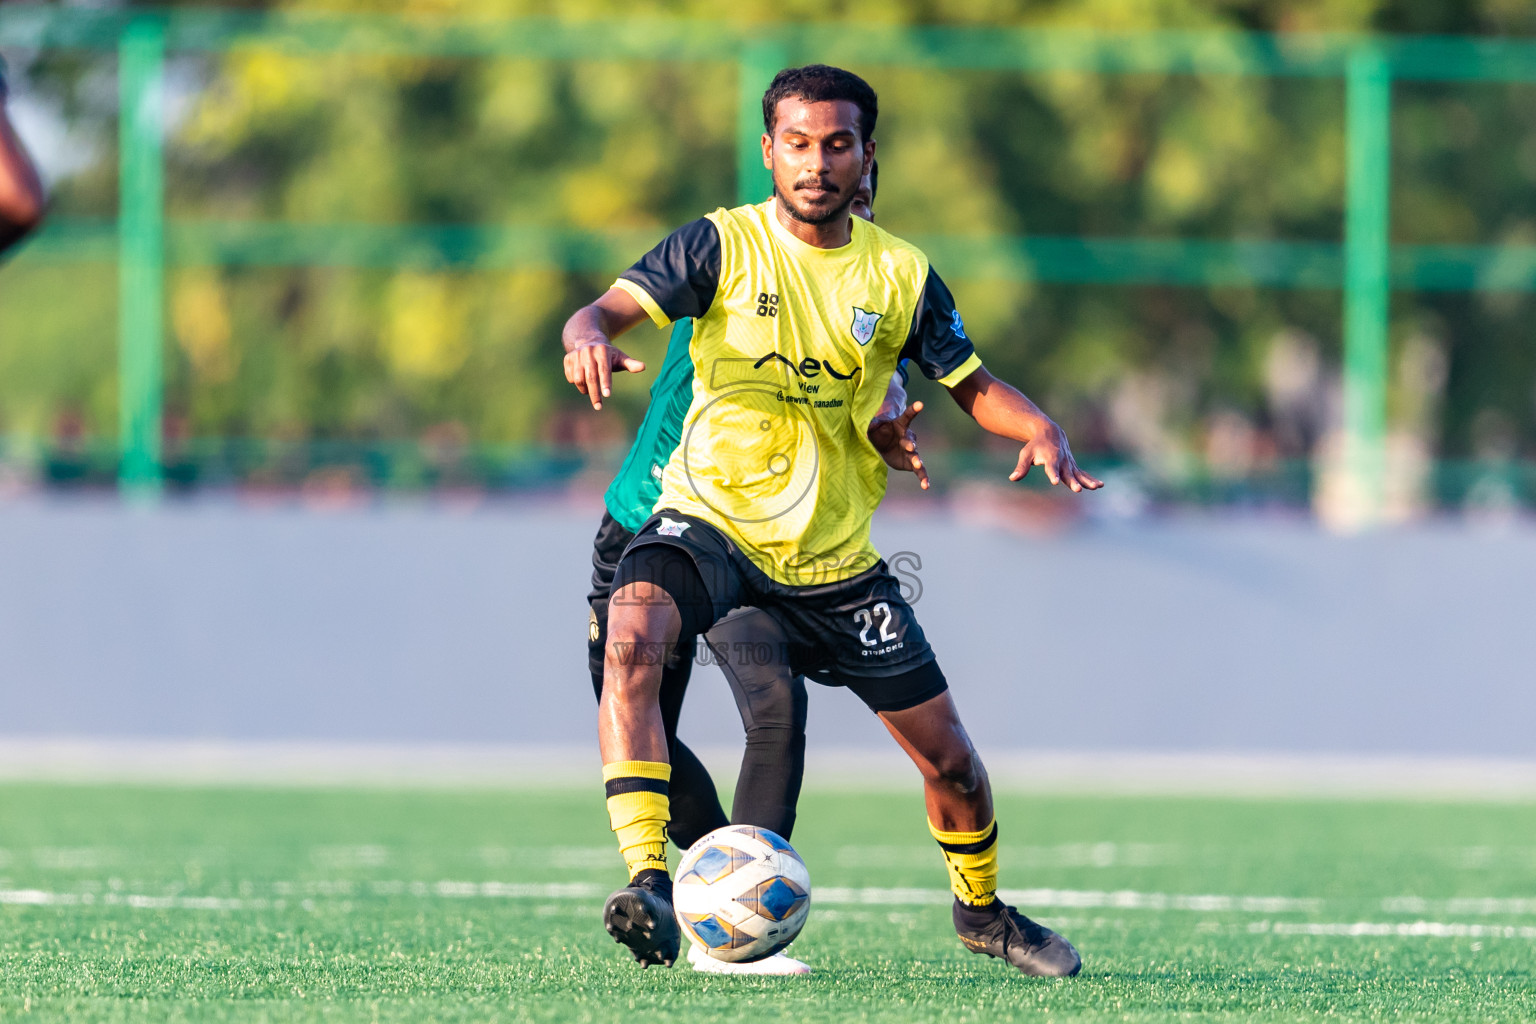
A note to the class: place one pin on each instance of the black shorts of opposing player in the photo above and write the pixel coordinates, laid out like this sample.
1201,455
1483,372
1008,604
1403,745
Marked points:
607,547
860,632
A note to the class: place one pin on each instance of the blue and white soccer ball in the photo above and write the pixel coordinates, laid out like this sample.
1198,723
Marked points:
742,893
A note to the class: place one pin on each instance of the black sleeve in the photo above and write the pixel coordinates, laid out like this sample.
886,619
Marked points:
682,273
937,342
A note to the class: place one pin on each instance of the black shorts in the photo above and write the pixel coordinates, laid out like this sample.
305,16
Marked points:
860,632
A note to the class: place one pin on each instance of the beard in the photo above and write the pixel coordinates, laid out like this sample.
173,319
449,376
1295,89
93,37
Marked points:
833,206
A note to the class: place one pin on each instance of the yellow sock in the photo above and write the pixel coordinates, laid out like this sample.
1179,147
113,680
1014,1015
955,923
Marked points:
638,811
972,861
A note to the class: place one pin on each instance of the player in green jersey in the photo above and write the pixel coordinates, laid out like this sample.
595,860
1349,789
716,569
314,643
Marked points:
21,191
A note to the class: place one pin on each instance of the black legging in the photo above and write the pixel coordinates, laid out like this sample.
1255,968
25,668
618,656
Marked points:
750,649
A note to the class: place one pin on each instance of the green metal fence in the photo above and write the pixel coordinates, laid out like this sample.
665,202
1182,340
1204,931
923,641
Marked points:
1364,265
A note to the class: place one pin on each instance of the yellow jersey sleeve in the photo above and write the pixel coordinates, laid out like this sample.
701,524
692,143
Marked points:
964,370
640,295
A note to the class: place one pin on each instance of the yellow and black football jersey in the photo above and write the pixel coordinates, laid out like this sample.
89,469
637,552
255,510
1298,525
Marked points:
793,348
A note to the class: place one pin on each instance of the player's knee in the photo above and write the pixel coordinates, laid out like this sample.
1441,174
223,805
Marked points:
632,661
777,708
958,769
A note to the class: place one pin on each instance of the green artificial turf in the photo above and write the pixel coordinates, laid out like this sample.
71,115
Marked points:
170,904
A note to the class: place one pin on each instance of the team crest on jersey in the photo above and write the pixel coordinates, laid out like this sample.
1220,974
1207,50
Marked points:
668,528
864,325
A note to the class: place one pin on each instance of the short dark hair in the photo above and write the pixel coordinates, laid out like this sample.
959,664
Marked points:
818,83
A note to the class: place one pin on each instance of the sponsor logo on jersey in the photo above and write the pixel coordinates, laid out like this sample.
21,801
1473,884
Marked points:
864,325
668,528
593,631
807,367
767,304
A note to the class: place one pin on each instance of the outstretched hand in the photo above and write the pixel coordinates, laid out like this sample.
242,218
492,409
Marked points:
893,438
1051,453
591,367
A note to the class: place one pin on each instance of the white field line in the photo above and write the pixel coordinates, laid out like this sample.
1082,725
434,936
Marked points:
1405,929
1129,900
503,890
39,897
1124,899
1077,899
1464,905
867,896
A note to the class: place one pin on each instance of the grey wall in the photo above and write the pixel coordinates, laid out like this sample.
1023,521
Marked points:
425,623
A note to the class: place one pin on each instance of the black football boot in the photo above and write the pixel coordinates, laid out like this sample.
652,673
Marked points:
640,916
1001,931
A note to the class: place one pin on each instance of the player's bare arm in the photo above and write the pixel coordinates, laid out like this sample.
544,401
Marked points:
892,435
22,199
1002,409
591,357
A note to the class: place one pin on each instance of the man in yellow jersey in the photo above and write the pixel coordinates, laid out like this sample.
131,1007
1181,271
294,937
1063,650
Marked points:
750,648
801,313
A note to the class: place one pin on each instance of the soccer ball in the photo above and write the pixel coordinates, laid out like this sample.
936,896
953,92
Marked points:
742,893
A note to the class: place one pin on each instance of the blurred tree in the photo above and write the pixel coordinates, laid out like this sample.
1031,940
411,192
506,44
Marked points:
379,353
